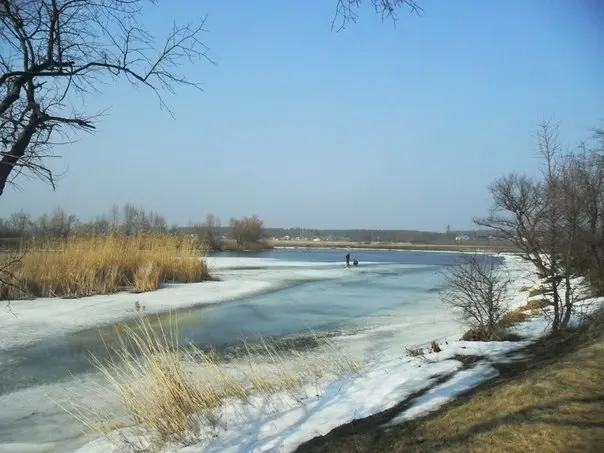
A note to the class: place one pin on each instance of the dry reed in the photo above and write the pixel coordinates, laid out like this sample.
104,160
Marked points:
170,391
83,266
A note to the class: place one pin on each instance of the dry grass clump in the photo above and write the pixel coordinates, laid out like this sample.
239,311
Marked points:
434,347
514,317
280,377
500,333
535,304
472,334
171,391
82,266
148,372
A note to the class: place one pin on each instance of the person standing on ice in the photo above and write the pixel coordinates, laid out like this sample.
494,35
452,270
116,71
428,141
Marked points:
348,260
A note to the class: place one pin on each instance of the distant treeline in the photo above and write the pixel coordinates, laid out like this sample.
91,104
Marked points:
479,237
411,236
244,233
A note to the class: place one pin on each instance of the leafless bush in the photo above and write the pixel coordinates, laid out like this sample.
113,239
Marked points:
479,290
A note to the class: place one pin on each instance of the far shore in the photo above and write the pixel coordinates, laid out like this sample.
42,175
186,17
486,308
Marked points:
393,246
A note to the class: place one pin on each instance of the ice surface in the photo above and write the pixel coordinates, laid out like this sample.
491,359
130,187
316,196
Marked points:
25,322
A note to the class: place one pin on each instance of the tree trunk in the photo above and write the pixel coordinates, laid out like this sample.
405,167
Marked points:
568,302
556,296
17,151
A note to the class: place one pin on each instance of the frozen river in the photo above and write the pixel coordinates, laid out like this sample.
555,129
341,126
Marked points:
390,301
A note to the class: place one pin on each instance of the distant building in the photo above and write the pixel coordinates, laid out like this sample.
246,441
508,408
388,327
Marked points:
462,238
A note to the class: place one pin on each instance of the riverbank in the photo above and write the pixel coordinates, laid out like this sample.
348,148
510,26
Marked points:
389,378
549,401
52,369
405,246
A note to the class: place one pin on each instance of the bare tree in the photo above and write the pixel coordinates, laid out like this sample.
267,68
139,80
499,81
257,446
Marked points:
208,232
478,288
114,218
581,180
130,215
61,224
526,212
557,223
99,227
347,10
158,223
20,223
54,53
42,228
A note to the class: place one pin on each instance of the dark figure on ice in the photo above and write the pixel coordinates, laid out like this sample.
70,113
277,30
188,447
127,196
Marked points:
347,259
355,262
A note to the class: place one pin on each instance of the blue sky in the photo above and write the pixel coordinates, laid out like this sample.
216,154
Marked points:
372,127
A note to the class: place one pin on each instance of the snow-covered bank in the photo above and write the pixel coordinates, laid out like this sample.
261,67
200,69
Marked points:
282,422
383,387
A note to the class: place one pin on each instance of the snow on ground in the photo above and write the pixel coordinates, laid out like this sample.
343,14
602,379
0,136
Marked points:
441,394
281,423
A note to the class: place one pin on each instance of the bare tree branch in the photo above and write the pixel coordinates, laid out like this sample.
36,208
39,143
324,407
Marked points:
56,52
346,10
